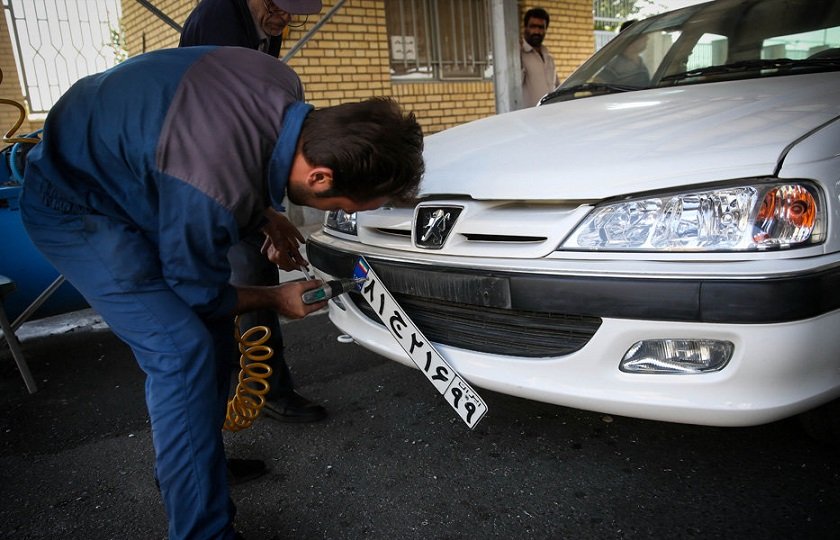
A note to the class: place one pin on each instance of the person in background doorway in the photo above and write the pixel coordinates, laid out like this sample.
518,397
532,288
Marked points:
539,74
259,25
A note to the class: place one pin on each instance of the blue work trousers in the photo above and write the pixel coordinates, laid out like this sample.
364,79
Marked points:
186,359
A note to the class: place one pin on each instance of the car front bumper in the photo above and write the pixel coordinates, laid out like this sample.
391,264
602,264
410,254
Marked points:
783,330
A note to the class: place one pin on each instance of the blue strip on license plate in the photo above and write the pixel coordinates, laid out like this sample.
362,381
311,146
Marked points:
457,392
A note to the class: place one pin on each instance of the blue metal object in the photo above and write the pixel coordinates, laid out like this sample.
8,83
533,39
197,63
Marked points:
21,261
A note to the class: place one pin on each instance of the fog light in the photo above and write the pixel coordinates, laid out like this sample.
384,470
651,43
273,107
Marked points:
677,356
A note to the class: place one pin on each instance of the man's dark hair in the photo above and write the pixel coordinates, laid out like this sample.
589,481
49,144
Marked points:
372,147
535,13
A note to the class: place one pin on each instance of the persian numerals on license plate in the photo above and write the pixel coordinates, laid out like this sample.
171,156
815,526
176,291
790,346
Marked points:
457,392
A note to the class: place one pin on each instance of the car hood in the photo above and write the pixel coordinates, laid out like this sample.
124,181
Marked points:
598,147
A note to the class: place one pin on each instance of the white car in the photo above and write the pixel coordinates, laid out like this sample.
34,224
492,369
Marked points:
663,244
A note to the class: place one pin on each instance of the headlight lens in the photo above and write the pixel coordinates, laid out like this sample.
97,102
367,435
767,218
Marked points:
341,221
742,218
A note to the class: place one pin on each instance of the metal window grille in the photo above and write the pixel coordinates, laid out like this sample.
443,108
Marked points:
439,39
608,16
57,42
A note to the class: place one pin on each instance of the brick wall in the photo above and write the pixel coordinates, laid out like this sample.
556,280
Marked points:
10,88
442,105
145,32
569,37
348,58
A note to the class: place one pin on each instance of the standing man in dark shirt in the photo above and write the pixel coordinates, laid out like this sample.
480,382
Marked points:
258,25
253,24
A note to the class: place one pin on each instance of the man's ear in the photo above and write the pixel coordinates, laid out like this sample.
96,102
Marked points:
319,179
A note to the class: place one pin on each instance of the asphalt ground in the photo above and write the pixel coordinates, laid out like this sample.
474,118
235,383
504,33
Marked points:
393,461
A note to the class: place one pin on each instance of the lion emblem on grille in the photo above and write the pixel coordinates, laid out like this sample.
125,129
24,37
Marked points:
433,225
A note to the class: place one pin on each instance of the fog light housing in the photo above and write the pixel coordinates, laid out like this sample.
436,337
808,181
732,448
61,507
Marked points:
338,303
677,356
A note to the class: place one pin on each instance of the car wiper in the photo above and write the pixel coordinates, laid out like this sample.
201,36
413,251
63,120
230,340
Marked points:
746,66
589,88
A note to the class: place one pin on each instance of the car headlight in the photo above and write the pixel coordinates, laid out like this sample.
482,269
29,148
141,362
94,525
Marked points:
341,221
758,216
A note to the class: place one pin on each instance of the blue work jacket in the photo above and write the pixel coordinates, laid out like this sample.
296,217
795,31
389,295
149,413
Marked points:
189,146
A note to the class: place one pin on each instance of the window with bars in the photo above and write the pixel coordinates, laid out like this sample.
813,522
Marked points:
57,42
439,39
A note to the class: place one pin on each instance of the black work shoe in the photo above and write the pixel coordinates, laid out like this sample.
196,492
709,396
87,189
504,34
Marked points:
295,409
244,470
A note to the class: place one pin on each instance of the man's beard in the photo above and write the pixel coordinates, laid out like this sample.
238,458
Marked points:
295,195
302,197
535,40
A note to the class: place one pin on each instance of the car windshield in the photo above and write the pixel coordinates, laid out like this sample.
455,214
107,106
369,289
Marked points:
724,40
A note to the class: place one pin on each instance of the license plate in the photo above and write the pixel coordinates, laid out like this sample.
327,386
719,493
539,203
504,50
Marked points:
455,390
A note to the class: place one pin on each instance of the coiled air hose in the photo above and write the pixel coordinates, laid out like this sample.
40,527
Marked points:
9,137
249,398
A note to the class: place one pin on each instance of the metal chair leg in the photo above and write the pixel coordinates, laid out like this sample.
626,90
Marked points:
17,352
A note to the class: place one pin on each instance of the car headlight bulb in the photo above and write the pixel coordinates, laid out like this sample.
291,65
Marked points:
785,212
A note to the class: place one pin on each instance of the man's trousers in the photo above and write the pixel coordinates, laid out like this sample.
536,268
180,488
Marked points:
186,359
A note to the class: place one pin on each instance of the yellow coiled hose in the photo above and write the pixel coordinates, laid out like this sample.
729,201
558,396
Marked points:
8,138
245,405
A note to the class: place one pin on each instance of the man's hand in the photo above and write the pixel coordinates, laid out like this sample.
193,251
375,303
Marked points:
288,302
281,241
284,299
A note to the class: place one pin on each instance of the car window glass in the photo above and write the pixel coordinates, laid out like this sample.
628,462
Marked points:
710,50
706,43
659,45
801,45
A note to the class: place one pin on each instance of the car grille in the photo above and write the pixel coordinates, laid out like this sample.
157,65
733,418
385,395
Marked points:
493,330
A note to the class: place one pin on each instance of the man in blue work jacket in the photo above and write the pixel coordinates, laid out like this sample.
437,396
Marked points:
147,174
258,25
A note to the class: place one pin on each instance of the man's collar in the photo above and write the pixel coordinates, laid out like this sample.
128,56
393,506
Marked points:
284,151
527,46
